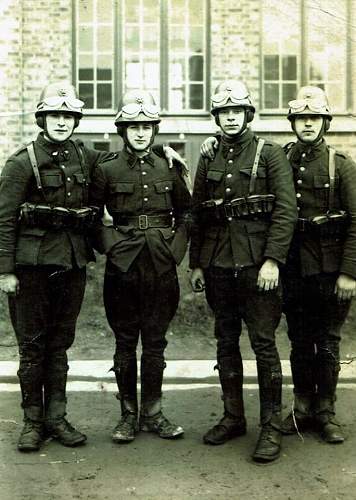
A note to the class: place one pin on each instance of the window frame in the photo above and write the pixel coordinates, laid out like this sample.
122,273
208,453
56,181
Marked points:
163,60
303,69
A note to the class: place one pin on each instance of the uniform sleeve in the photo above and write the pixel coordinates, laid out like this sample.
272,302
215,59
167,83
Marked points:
14,182
347,175
199,195
284,215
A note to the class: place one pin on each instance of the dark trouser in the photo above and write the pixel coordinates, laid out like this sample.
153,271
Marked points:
314,318
140,301
234,297
44,315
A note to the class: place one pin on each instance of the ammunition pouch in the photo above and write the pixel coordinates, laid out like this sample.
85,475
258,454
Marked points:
245,207
58,218
332,224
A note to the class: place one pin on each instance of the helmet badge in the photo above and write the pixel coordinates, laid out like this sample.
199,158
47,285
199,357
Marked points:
62,92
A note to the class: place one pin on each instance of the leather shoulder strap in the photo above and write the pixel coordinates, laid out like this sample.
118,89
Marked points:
331,177
31,153
260,145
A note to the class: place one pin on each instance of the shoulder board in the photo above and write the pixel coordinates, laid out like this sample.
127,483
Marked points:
112,156
287,147
343,155
20,149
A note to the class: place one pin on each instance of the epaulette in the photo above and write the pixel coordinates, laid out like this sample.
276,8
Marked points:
113,156
287,147
343,155
20,149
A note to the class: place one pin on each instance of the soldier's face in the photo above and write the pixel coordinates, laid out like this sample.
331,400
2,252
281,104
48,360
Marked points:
139,135
59,126
231,121
308,127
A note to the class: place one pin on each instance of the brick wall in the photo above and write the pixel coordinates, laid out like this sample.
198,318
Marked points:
235,42
37,49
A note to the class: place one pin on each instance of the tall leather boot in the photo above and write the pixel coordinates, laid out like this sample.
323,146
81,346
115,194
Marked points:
32,433
324,412
126,378
233,422
58,427
152,418
30,377
303,373
268,446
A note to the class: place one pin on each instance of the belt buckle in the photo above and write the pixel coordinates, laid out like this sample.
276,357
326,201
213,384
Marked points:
143,221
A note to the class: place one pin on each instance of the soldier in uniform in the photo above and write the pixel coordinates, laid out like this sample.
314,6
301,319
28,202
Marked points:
244,215
319,280
44,214
149,203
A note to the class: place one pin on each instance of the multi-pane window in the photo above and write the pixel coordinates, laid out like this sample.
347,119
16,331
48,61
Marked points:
186,49
157,45
304,43
281,59
326,52
94,55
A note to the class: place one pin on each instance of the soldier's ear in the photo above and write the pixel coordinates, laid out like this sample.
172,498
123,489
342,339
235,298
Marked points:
326,124
217,121
249,115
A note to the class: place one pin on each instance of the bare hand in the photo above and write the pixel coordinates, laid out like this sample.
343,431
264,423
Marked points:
268,276
209,147
197,280
345,287
9,284
171,155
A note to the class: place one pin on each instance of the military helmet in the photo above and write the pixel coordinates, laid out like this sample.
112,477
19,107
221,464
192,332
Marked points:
231,94
310,100
59,97
137,106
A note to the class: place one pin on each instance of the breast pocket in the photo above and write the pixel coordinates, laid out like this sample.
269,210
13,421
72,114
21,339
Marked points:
163,191
322,189
260,186
121,194
213,179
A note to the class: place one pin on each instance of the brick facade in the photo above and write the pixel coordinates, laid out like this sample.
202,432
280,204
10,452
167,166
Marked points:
36,41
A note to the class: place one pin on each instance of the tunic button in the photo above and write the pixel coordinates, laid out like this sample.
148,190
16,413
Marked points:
69,179
231,150
298,195
145,199
298,208
63,166
229,219
68,194
144,173
229,176
302,169
167,188
145,186
299,181
303,155
228,190
327,185
230,161
142,162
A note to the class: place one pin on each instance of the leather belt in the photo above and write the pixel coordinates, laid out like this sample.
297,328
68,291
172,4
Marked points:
143,221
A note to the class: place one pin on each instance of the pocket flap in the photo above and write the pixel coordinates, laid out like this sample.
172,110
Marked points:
52,180
163,186
79,177
122,187
261,172
323,181
214,175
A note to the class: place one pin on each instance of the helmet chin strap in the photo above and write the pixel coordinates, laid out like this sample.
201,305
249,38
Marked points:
242,129
318,138
47,135
127,143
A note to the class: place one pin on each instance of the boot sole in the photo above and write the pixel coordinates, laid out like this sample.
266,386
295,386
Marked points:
178,434
73,444
28,449
263,459
213,442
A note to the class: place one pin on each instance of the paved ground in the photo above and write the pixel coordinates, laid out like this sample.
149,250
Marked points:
151,468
